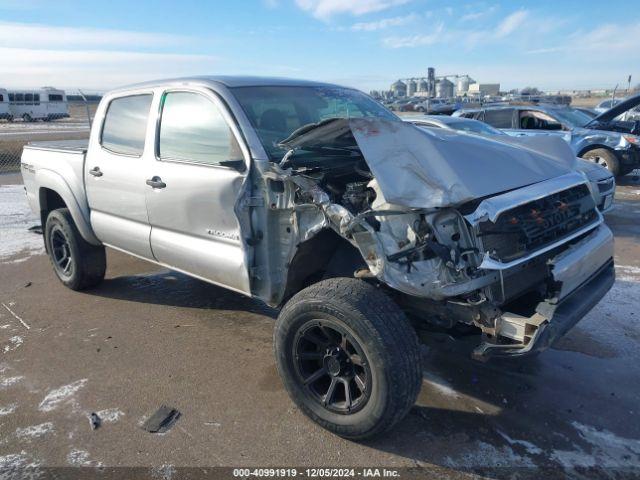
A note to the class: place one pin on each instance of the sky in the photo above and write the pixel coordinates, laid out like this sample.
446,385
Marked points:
367,44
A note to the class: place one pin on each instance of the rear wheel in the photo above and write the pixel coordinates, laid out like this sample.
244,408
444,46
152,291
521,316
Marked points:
26,118
606,158
77,263
348,357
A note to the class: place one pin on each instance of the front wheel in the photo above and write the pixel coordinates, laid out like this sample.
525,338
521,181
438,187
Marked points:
606,158
348,357
77,263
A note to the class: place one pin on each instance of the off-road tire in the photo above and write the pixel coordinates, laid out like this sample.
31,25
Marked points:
88,261
606,158
389,342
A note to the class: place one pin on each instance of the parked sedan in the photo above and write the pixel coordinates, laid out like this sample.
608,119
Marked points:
453,123
618,152
601,181
607,104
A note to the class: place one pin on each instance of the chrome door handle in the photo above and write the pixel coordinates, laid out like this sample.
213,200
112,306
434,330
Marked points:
95,171
156,182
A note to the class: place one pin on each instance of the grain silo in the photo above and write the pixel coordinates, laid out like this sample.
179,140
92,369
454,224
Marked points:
412,86
399,89
462,86
423,86
444,88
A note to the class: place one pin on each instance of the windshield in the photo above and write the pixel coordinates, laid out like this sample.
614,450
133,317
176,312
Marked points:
571,117
276,112
472,126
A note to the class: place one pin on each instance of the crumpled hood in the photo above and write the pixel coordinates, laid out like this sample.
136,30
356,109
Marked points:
417,168
619,109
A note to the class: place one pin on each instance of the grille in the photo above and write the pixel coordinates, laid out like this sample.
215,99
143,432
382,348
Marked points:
605,185
528,276
536,224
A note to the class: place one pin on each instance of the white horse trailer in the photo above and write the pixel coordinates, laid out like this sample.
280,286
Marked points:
44,104
5,111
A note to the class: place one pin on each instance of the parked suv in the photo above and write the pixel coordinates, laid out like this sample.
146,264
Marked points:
316,199
618,152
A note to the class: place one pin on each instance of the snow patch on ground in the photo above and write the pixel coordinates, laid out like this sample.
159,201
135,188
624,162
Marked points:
8,410
15,219
14,343
485,455
18,466
81,458
607,450
529,447
110,415
628,273
10,381
35,431
59,395
163,472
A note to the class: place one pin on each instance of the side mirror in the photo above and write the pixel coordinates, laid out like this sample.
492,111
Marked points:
235,164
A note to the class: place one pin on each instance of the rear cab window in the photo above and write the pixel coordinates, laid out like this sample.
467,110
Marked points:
125,124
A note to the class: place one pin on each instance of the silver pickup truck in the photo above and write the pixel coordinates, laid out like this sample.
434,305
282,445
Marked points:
315,199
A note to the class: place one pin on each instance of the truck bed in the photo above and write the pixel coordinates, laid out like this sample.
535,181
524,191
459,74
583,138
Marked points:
75,146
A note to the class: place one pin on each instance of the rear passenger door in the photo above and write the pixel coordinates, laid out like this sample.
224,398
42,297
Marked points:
116,172
197,177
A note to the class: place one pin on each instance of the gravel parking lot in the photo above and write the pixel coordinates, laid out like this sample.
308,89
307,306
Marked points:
149,337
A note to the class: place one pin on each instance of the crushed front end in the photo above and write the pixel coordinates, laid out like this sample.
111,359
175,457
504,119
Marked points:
521,256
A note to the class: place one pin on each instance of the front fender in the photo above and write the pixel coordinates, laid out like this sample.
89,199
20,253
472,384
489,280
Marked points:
80,214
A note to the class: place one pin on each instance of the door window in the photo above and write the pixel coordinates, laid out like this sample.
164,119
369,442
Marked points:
125,124
535,120
193,129
499,118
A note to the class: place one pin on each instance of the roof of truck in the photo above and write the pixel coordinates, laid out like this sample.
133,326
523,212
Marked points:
232,81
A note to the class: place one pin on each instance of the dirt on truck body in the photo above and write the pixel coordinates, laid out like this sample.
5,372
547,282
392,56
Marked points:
360,227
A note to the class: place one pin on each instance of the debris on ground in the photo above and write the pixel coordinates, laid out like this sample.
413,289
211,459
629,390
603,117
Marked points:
94,420
36,229
162,420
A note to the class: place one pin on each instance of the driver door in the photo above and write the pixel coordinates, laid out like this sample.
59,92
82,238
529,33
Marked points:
195,183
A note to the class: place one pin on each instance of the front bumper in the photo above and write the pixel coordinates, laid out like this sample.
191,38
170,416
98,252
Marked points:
585,273
629,157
